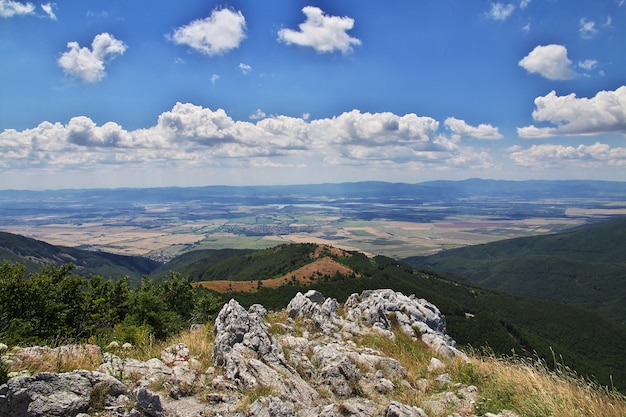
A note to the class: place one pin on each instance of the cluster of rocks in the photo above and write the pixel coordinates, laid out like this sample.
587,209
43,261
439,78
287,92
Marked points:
307,366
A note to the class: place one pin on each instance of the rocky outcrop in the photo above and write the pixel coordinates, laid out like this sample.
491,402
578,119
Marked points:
50,395
307,365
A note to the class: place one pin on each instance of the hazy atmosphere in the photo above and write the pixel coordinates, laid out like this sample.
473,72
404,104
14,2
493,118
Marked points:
131,94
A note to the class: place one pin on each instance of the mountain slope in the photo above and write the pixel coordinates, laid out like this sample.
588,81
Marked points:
584,267
587,342
34,253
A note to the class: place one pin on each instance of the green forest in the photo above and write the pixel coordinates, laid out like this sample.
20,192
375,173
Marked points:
56,305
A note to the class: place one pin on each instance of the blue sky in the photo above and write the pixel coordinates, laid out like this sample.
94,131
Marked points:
126,94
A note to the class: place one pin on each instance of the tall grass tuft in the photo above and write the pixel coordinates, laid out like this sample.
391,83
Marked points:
529,387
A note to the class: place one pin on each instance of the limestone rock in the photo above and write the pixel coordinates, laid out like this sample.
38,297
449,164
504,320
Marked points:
251,357
175,355
336,371
415,316
49,395
396,409
149,403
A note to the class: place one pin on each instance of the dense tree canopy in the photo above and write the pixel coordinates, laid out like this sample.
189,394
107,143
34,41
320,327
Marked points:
56,303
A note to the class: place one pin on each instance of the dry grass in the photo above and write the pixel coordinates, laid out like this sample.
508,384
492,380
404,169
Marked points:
530,388
200,344
525,386
61,359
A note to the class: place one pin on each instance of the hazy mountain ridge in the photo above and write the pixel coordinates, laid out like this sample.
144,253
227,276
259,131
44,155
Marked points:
584,267
35,253
377,190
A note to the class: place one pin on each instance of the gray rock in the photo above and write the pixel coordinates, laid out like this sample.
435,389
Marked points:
313,305
350,407
145,373
271,407
336,371
48,394
251,357
149,403
435,365
175,355
396,409
415,316
236,326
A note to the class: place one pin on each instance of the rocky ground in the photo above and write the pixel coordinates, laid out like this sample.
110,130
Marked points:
309,364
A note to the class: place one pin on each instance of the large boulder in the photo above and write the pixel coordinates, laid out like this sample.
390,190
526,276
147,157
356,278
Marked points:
312,304
251,357
49,394
414,316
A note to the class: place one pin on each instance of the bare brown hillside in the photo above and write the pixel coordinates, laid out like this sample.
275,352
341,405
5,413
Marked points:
318,269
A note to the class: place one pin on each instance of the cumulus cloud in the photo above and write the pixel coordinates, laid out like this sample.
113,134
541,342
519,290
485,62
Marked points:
582,156
48,9
217,34
321,32
501,11
482,131
89,65
524,4
603,113
214,78
198,136
10,8
549,61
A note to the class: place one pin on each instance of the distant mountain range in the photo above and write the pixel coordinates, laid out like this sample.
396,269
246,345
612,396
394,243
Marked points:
371,190
585,267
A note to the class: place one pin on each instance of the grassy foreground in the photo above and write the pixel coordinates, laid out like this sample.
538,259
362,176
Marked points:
527,387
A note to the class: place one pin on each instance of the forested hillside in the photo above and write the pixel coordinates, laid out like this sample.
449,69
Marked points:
34,254
584,267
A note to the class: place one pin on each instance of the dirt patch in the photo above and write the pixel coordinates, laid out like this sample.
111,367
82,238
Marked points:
316,270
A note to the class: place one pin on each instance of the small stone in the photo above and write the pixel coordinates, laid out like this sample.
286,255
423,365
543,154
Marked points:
445,378
435,365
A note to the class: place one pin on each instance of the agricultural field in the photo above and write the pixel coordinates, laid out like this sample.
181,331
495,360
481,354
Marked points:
161,223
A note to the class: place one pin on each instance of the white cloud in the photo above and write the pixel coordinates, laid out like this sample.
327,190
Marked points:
588,64
604,113
524,4
48,8
214,78
219,33
460,128
190,135
10,8
88,65
245,68
500,11
321,32
549,61
558,156
258,114
587,28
